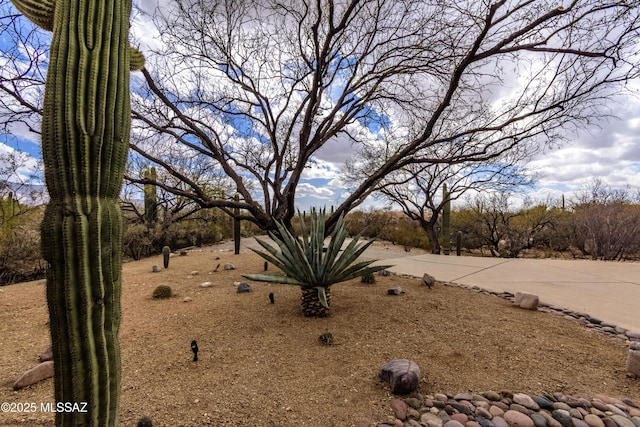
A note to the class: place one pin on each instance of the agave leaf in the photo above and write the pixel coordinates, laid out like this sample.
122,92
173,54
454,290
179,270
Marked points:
322,296
351,253
273,278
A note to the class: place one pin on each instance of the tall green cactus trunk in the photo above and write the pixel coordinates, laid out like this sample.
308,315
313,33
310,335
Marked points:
85,135
446,221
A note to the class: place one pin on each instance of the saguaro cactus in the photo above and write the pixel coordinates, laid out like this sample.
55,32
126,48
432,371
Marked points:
446,221
85,135
150,198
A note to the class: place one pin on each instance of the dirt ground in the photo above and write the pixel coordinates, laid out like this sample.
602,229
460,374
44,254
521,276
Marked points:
262,364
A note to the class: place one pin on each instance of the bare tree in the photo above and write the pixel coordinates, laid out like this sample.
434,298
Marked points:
259,89
417,189
607,222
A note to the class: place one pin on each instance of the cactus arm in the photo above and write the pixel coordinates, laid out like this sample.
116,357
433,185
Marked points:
137,59
40,12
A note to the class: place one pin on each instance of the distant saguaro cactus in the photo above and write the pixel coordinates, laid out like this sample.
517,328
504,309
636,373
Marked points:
85,138
150,198
446,221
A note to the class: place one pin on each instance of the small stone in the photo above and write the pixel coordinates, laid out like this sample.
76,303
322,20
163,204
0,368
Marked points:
413,414
399,408
593,420
543,402
229,266
395,291
499,422
526,401
460,407
577,422
575,413
563,417
608,422
527,300
636,421
205,285
187,299
463,396
461,418
431,420
194,273
484,413
616,410
413,402
633,362
440,397
428,280
561,405
491,395
155,268
471,423
402,375
243,287
453,423
45,355
34,375
551,422
384,273
519,408
517,419
633,335
538,420
622,421
484,422
496,411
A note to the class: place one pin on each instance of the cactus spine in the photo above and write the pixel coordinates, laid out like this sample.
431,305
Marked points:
166,252
446,220
85,135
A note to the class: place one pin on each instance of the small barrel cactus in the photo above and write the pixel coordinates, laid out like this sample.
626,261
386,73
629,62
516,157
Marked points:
166,252
368,278
162,292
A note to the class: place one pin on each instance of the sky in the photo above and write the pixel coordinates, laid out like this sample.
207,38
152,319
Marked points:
608,151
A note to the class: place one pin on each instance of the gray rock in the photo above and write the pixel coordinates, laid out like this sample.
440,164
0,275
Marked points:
622,421
561,405
575,413
47,354
483,413
205,285
491,395
563,417
384,273
633,362
413,402
229,266
453,423
460,407
428,280
484,422
616,410
34,375
395,291
431,420
543,402
402,375
155,268
636,421
519,408
538,420
633,335
527,300
243,287
462,396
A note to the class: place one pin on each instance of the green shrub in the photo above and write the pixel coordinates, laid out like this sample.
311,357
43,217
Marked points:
162,292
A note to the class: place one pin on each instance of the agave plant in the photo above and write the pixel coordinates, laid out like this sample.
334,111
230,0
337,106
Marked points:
307,263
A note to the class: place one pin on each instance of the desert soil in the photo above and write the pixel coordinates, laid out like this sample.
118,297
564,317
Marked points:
262,364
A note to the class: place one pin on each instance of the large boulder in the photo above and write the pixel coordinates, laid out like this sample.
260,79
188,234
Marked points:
402,375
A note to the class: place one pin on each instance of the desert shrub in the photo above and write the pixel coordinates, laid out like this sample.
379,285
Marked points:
20,258
162,292
394,227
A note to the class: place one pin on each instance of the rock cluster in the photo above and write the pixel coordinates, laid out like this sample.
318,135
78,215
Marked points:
505,409
587,320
